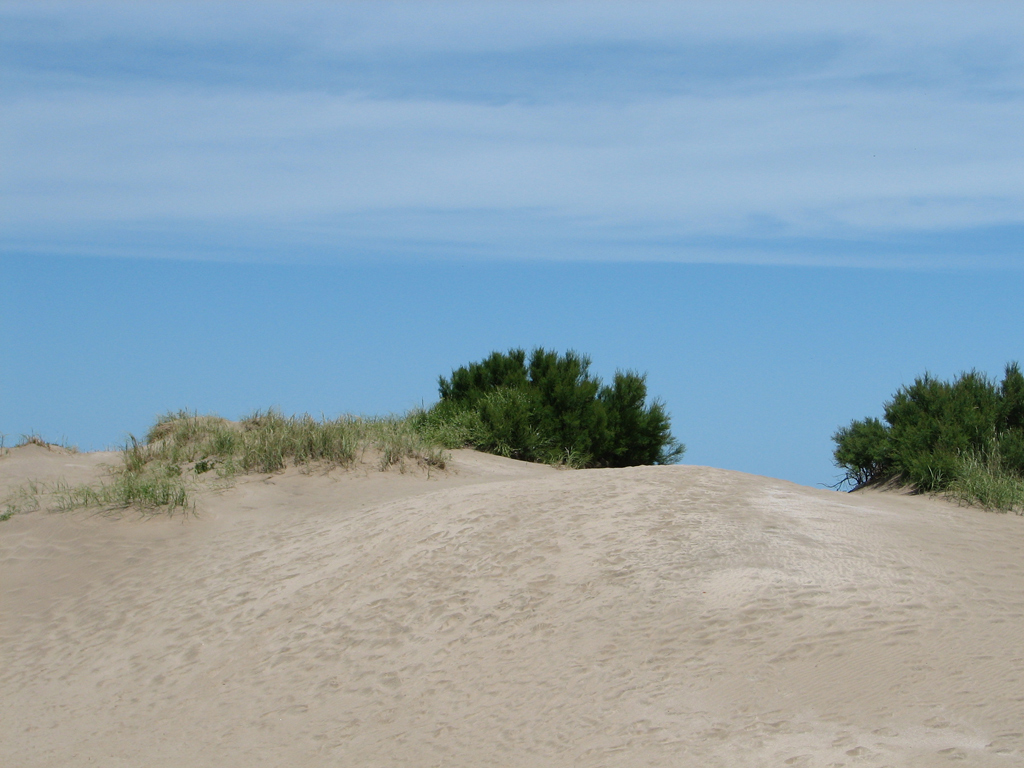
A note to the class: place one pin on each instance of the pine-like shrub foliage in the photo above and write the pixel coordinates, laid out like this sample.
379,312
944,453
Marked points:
549,408
936,431
862,450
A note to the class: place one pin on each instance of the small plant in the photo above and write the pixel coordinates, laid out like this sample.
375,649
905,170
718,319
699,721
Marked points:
570,459
204,465
29,497
34,439
24,499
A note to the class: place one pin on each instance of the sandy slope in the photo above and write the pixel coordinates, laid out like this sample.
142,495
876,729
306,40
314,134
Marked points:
513,615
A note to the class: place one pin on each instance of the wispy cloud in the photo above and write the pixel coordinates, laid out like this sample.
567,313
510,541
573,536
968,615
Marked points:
867,134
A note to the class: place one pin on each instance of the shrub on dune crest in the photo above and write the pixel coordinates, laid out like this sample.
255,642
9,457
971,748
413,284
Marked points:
549,408
965,437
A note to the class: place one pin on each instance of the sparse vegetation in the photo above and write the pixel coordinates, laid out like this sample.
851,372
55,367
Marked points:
550,409
146,491
965,438
24,499
33,439
185,450
267,441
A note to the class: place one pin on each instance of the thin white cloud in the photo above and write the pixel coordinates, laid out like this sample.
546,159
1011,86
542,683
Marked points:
864,124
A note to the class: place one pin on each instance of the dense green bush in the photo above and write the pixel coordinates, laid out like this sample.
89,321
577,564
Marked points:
550,408
862,449
936,433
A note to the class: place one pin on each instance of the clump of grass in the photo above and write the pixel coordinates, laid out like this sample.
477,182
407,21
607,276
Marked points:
143,492
398,441
145,481
182,448
268,442
572,459
982,481
187,438
449,426
37,439
34,439
24,499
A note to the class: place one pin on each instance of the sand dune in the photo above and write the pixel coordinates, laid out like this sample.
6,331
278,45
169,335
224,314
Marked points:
512,615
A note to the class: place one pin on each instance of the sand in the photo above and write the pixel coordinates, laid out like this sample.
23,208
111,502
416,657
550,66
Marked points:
505,614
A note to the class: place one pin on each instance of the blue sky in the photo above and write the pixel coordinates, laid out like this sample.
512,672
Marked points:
780,211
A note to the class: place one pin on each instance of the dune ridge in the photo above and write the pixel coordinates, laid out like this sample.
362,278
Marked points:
508,614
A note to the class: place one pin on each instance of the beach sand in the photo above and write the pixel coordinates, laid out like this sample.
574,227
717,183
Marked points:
507,614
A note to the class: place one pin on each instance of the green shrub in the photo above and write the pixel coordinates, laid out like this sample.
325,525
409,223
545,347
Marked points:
471,382
638,434
508,427
933,422
862,450
1011,451
549,408
940,435
1010,425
